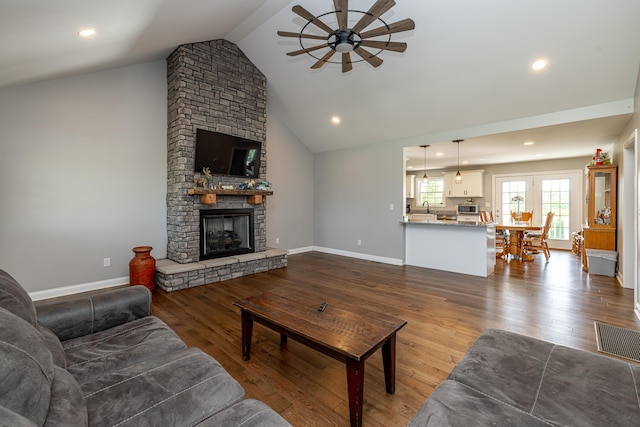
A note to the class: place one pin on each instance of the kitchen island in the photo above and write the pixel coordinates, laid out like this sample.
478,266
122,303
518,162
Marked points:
467,248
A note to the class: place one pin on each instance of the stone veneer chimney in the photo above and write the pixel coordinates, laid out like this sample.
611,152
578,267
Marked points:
213,86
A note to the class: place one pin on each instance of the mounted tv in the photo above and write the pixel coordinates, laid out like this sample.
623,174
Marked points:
226,154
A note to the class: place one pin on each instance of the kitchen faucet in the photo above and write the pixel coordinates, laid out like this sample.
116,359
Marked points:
428,206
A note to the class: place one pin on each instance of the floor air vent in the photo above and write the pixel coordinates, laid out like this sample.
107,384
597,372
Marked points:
618,341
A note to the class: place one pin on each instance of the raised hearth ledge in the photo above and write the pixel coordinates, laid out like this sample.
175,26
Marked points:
173,276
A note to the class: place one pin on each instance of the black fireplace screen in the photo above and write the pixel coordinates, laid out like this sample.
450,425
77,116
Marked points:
225,232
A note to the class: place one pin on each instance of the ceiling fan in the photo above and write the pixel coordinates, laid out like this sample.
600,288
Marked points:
345,40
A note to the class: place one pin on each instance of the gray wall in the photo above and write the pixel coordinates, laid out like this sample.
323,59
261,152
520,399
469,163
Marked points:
290,211
82,175
352,193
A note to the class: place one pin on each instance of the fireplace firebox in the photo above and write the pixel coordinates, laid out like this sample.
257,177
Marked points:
226,232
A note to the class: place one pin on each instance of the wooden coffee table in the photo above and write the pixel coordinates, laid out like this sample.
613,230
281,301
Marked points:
345,332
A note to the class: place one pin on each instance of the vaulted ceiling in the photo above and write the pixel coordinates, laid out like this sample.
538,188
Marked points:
467,65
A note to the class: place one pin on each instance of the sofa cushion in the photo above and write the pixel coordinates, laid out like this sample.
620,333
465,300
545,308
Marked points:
67,407
248,413
26,371
92,356
54,345
10,418
505,376
177,388
14,298
455,404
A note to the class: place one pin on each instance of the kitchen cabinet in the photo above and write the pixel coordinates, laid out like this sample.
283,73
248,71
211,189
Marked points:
410,186
472,184
600,229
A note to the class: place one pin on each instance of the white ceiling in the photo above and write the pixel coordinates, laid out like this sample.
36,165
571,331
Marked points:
467,66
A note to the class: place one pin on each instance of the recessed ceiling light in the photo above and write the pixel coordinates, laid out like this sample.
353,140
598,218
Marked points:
539,64
335,120
540,155
528,143
87,32
439,154
409,167
465,162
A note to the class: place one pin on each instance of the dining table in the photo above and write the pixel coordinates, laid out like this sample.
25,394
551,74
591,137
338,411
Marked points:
516,234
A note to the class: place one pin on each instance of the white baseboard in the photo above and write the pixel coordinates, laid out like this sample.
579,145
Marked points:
300,250
76,289
359,255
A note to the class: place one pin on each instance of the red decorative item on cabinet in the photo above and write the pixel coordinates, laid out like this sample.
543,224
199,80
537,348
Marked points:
142,267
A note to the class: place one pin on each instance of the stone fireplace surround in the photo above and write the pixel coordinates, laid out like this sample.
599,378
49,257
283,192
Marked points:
213,86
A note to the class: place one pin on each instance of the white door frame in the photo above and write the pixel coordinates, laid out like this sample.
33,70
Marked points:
630,211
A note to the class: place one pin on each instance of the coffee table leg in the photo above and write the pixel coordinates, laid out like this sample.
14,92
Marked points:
247,331
389,363
355,384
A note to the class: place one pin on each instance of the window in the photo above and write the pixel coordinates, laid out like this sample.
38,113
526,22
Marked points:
431,191
556,199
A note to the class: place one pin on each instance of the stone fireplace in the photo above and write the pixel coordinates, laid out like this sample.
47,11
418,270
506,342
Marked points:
211,86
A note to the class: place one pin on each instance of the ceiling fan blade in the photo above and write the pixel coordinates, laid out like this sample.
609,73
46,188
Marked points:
368,56
394,46
304,13
346,62
306,50
301,35
378,8
324,59
396,27
342,10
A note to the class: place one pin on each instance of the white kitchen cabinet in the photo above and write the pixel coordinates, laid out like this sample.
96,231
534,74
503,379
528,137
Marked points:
472,184
411,186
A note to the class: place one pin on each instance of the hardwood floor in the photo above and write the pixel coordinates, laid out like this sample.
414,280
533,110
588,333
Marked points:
446,312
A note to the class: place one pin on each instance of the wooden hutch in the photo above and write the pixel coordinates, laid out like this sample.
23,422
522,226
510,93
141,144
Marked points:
600,230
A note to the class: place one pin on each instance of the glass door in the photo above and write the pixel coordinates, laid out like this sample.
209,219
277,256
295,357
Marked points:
557,192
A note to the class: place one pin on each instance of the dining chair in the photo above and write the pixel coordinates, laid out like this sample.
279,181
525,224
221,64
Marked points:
522,217
534,240
484,217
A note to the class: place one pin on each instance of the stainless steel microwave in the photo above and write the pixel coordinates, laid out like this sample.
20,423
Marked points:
468,210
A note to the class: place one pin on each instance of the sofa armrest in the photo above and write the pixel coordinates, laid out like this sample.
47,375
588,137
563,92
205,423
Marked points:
85,315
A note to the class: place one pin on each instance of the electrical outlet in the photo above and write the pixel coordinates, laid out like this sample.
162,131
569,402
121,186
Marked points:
359,242
390,206
106,262
277,240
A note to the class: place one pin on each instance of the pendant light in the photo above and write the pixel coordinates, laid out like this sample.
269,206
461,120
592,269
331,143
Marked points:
458,179
425,178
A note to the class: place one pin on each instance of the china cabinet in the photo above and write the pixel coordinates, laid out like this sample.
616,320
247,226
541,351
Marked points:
599,232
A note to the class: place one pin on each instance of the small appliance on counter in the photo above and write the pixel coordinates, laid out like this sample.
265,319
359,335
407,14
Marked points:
468,210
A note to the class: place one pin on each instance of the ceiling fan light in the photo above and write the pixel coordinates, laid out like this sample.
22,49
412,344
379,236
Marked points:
344,47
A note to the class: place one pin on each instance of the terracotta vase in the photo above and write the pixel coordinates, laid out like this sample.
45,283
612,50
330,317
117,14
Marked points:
142,267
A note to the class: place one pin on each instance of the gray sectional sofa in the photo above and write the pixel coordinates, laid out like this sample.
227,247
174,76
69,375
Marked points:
507,379
105,361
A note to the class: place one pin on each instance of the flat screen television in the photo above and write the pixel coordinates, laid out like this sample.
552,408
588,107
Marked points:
226,154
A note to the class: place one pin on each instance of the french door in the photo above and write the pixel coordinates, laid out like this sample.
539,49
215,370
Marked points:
557,192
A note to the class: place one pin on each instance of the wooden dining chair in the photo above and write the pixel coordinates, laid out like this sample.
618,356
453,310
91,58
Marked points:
523,217
484,217
532,240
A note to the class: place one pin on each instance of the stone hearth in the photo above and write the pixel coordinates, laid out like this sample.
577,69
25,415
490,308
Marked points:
212,86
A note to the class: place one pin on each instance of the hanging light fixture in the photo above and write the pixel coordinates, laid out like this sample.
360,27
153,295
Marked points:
425,178
458,179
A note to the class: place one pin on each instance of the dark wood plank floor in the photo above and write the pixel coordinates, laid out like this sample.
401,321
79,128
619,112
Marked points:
446,312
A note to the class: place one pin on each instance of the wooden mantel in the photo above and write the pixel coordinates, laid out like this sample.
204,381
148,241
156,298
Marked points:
208,197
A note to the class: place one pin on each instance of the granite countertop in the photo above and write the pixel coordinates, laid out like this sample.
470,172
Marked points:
447,223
